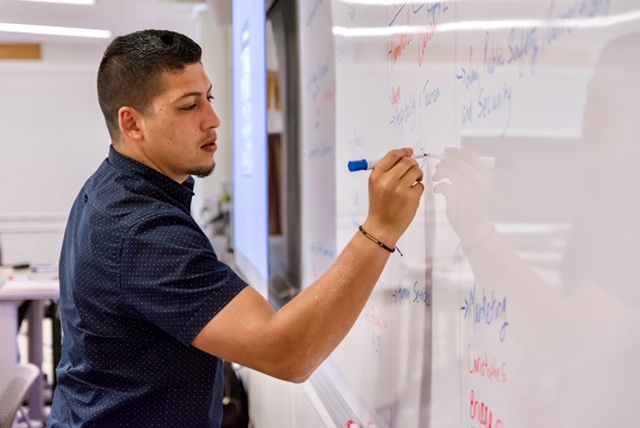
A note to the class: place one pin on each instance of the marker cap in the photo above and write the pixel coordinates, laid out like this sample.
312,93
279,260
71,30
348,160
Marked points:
358,165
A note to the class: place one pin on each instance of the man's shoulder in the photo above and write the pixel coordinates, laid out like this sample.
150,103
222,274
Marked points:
112,205
125,194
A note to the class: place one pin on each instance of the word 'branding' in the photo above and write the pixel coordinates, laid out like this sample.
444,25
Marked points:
482,413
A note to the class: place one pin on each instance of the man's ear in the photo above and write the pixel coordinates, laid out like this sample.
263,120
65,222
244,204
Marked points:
130,122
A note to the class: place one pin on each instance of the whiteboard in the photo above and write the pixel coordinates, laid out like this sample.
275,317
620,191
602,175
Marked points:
537,324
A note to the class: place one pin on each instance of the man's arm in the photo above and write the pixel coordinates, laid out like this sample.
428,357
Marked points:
291,343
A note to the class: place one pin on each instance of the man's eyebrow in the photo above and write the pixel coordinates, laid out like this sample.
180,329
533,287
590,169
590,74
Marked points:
191,94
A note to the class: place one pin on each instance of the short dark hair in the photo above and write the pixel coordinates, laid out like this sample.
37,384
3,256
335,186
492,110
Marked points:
131,69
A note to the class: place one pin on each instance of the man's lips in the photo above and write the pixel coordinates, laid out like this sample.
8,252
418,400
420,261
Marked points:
210,146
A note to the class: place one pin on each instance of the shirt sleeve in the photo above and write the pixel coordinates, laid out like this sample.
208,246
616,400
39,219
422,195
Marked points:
171,276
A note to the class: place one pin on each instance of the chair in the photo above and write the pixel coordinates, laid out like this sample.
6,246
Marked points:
14,390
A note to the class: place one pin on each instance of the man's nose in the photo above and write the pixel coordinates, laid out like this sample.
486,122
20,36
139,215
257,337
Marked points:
212,120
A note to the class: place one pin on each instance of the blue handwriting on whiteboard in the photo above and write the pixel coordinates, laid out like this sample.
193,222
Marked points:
493,54
321,72
357,141
585,9
420,295
591,8
486,310
351,13
469,74
420,147
314,11
434,10
496,101
321,249
405,112
320,151
400,294
467,113
431,95
519,49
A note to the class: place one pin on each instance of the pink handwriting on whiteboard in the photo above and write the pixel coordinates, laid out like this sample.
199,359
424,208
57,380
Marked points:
377,317
424,39
395,95
396,48
431,12
481,365
482,413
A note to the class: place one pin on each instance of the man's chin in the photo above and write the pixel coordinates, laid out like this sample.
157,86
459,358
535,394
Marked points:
204,171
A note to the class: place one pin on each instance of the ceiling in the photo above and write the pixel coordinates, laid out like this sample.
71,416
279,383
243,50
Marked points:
117,16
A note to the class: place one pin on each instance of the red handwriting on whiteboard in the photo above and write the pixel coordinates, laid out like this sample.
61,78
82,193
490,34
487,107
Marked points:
395,95
396,48
483,367
377,317
329,94
424,39
482,413
433,12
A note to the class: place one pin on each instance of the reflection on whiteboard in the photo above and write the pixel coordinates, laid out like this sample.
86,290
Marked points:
250,215
246,153
516,304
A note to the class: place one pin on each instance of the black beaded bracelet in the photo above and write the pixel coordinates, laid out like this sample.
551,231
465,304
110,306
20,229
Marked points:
371,237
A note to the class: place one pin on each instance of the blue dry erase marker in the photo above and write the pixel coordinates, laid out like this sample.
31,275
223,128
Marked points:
365,164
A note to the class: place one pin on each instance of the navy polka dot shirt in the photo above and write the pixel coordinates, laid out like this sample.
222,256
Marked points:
138,281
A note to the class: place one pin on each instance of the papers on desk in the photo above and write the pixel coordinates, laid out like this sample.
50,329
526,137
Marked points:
30,283
30,290
28,273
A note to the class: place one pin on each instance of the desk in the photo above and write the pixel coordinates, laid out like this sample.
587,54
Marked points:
11,294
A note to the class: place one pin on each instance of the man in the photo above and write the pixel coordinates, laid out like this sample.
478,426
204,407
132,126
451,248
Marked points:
147,308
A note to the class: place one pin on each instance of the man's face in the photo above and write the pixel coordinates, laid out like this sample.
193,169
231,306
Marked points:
179,130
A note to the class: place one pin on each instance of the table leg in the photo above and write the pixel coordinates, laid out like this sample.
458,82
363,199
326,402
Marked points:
8,339
36,395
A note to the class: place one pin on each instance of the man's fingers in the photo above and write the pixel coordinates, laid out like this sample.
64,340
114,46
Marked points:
398,167
412,174
392,158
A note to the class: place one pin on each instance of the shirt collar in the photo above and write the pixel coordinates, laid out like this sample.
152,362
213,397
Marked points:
181,192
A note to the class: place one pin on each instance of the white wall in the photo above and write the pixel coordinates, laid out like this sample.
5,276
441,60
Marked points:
53,137
215,41
274,403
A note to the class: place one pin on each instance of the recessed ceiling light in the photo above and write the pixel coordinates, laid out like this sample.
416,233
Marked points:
54,31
